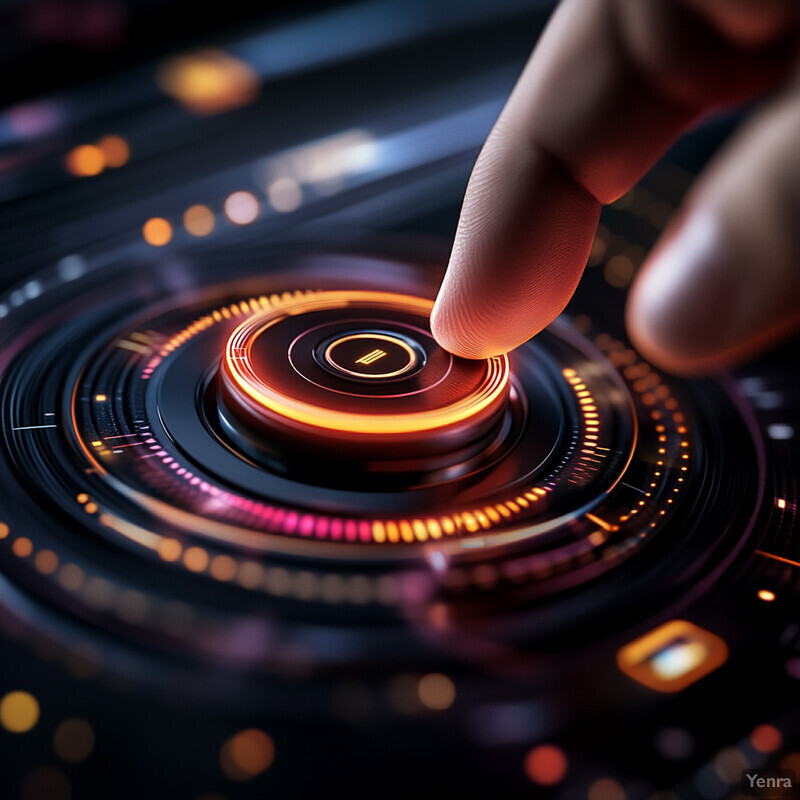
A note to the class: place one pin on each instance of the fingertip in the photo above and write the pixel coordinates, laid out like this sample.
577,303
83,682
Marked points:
452,330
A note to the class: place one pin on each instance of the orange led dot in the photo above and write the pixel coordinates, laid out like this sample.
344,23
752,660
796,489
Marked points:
4,530
157,231
90,508
247,754
766,595
115,150
85,160
195,559
198,220
22,547
766,739
546,765
83,498
436,691
170,549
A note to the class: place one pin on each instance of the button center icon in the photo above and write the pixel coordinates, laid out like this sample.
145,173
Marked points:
372,355
370,358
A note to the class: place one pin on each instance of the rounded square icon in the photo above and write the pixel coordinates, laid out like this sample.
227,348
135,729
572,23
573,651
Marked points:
672,656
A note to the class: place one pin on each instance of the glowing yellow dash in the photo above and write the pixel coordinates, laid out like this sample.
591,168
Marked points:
434,529
779,558
371,358
406,531
766,595
602,523
97,444
781,503
392,532
100,398
126,344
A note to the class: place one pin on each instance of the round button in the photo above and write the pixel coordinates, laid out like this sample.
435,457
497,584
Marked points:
373,355
355,376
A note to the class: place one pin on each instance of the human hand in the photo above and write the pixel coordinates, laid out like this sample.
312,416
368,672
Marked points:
609,86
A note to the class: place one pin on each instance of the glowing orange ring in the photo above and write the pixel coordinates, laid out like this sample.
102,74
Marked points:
239,366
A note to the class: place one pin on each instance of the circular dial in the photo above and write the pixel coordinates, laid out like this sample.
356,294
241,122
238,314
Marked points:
209,431
196,478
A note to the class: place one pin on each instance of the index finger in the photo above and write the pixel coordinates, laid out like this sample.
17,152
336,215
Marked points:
609,86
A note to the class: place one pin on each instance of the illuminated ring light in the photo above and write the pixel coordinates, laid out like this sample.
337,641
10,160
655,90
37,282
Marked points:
264,400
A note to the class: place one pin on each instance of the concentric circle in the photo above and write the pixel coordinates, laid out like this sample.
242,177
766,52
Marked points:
372,355
587,460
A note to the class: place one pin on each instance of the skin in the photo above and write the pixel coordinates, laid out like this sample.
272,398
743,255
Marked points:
610,85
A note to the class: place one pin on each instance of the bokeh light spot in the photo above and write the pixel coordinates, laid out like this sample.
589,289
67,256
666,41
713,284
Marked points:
241,208
198,220
115,150
436,691
284,194
157,231
85,160
74,740
546,765
766,738
19,712
247,754
606,789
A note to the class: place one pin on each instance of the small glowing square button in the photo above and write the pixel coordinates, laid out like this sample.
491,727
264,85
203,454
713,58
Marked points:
672,656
